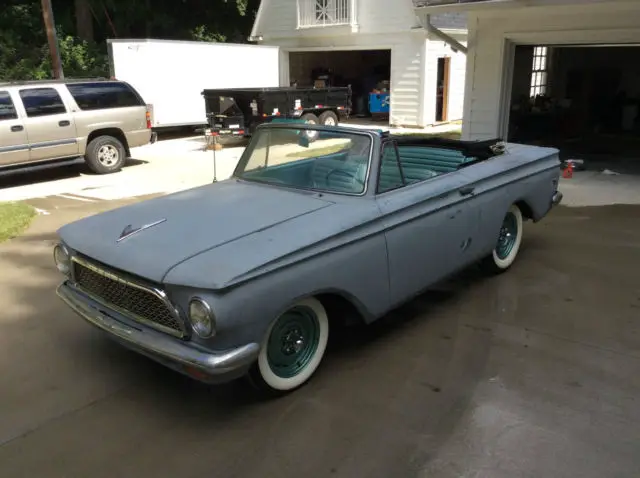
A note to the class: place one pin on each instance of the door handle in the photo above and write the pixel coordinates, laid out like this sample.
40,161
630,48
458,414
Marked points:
17,128
64,123
465,191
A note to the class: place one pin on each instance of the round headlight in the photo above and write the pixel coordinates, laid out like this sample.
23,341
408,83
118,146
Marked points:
62,259
201,318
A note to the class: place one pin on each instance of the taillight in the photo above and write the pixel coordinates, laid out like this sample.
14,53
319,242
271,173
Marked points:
148,115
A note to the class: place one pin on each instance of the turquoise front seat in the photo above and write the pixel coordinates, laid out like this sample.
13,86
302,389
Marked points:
340,175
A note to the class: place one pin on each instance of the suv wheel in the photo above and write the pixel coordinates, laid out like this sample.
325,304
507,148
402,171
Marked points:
105,154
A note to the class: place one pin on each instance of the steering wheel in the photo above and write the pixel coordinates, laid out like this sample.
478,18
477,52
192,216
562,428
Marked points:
349,174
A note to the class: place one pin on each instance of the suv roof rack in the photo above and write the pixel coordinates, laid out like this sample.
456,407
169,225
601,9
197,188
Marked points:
57,81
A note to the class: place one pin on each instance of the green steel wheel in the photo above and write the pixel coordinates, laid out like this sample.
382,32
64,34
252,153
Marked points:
293,348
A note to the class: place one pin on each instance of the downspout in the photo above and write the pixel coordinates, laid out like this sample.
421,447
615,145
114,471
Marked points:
448,39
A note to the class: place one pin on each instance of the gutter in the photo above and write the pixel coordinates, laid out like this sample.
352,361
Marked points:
448,39
479,5
461,3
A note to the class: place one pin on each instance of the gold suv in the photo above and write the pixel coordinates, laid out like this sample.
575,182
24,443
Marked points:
43,123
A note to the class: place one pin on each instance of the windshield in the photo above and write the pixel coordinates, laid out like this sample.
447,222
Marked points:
335,161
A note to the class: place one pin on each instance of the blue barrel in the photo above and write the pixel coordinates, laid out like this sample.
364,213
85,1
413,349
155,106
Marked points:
379,103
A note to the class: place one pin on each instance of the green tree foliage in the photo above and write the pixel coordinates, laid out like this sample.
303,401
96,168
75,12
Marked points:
24,52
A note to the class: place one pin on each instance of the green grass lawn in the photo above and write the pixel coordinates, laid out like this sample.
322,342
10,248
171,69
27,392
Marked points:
454,134
15,217
313,152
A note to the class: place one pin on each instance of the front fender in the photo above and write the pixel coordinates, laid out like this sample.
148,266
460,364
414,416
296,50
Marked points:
243,312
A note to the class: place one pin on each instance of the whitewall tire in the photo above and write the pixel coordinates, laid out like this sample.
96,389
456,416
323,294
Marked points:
509,241
293,347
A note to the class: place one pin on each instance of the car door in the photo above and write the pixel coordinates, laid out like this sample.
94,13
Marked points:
14,144
427,227
50,127
488,204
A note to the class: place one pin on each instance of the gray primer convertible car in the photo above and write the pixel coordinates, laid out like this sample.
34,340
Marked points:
245,276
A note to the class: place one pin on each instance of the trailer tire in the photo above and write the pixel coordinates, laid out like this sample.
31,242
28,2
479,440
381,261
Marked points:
310,118
329,118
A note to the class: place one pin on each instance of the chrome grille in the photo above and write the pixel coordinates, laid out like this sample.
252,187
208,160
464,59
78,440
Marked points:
136,302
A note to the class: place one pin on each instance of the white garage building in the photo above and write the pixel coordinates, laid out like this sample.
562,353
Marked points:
551,71
368,42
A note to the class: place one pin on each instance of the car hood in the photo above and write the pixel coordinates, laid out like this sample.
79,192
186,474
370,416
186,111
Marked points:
179,226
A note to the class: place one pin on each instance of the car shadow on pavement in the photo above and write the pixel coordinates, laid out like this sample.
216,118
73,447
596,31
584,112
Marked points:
33,306
40,321
447,294
26,178
452,382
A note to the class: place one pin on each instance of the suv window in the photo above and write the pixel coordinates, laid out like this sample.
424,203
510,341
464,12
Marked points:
97,96
7,110
42,102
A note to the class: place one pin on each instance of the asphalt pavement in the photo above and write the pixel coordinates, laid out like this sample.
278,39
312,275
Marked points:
534,373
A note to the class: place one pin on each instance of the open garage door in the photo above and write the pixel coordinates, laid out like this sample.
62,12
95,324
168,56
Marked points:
367,71
583,100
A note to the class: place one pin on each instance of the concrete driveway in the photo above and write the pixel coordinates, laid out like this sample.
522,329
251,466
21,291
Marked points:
177,164
534,373
163,167
167,166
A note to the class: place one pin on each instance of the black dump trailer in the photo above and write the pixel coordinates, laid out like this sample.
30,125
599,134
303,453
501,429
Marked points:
239,111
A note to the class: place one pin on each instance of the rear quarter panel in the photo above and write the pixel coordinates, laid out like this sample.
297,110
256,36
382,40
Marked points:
131,121
525,174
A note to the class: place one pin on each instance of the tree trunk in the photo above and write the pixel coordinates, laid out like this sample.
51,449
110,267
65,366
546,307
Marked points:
52,39
84,20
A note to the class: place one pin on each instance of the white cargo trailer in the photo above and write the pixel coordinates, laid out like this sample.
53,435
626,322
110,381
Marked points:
171,75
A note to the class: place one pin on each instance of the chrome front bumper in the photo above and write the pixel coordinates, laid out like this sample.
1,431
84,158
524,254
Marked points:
178,355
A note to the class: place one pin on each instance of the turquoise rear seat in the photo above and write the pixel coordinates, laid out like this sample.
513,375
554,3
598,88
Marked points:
439,160
419,163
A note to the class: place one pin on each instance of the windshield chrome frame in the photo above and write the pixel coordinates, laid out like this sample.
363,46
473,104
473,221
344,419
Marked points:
246,155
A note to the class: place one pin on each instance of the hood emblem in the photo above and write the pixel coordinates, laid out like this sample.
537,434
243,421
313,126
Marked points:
130,230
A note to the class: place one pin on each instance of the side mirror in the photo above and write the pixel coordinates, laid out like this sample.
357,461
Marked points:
303,139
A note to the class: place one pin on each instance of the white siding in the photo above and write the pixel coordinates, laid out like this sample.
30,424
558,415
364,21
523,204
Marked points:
284,68
382,24
385,16
407,68
439,49
456,86
488,53
435,49
279,19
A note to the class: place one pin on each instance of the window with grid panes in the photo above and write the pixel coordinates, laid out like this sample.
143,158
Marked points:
539,71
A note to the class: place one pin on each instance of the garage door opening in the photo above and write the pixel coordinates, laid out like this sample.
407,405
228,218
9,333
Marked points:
367,71
583,100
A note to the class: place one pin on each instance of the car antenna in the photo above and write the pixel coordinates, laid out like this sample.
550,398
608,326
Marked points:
215,144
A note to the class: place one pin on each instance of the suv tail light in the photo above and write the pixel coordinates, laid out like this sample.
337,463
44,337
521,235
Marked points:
148,116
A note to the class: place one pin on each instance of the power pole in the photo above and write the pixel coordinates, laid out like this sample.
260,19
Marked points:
47,15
